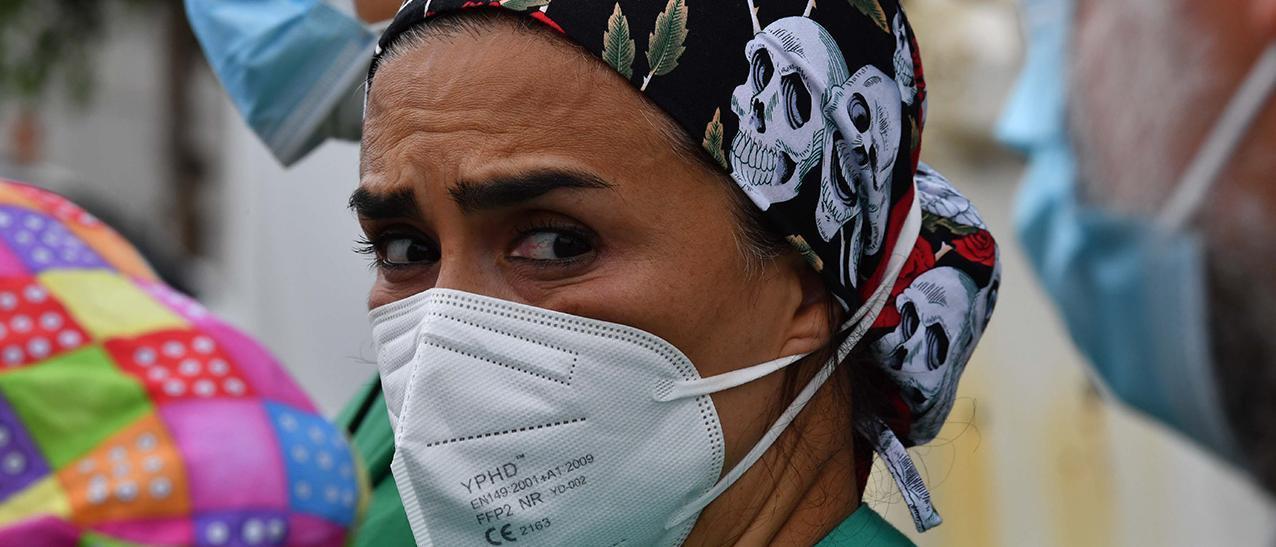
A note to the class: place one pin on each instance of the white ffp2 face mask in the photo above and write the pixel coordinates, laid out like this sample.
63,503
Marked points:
519,424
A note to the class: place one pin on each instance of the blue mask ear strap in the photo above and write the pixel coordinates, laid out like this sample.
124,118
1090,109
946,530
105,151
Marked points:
1221,143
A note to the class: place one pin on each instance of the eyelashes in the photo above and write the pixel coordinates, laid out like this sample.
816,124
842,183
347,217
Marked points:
366,248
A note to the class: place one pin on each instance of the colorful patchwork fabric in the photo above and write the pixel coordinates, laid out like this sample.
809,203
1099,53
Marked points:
131,415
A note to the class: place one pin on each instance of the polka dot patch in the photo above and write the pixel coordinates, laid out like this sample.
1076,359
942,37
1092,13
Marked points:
137,473
20,461
33,325
114,250
11,265
270,380
58,206
44,243
241,528
179,364
320,469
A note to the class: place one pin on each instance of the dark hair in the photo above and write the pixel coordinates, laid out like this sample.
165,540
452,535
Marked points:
758,241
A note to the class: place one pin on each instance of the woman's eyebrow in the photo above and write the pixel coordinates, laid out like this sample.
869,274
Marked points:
511,190
373,206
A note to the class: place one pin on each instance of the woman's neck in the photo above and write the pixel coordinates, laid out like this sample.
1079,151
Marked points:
801,490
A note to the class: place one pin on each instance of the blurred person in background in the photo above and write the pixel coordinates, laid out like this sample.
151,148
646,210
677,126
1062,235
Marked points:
293,68
374,11
845,228
1149,206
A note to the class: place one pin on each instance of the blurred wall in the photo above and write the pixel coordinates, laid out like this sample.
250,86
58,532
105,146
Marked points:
107,155
285,269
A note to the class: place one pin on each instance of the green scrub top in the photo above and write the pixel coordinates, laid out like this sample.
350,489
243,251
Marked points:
385,523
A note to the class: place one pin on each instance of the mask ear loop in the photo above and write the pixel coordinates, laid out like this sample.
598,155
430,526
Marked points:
669,390
860,323
1221,143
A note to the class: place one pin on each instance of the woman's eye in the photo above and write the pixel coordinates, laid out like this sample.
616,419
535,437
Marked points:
550,245
407,251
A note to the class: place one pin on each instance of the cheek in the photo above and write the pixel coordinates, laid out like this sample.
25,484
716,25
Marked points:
381,294
688,286
388,288
719,318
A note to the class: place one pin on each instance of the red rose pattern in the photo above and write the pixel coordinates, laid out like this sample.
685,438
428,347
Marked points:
978,248
919,261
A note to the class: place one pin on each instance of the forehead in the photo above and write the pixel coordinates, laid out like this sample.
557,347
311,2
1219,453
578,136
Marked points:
503,91
498,54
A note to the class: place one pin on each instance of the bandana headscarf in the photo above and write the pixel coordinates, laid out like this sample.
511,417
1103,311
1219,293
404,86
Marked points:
131,415
816,111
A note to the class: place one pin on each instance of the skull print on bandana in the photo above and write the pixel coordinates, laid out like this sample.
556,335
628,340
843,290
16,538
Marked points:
935,335
866,119
904,61
782,131
816,111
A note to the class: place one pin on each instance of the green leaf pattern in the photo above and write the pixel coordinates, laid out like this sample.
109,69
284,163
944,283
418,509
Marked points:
873,10
931,223
713,139
618,46
803,248
523,5
665,45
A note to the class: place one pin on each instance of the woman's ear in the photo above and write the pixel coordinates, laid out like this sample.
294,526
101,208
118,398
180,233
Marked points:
814,316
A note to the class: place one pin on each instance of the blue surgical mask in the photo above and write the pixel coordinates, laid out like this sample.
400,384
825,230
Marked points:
293,68
1131,289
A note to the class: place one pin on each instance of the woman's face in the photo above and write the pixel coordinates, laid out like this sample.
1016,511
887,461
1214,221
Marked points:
512,166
